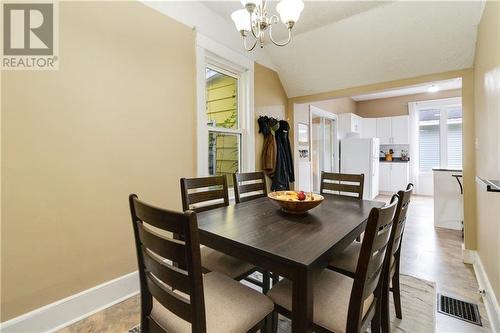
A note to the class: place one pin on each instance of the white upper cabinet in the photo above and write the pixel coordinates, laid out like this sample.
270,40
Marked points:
369,128
384,132
349,122
393,130
400,130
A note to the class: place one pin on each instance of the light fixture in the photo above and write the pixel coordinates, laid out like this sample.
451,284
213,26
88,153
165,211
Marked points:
433,89
255,20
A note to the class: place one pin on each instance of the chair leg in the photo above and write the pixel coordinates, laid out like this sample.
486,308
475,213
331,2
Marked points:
396,294
274,278
268,326
385,319
265,282
274,328
375,324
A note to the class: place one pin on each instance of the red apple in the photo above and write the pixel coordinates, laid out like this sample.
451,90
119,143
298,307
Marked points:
301,196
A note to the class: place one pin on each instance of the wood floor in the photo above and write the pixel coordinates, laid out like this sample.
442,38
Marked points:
429,253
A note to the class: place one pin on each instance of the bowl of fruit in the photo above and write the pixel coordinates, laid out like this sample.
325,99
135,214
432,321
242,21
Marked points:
295,202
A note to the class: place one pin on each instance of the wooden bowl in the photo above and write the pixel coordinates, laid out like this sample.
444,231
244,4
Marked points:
289,202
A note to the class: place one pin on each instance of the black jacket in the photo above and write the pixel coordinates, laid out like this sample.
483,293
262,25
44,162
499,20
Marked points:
283,173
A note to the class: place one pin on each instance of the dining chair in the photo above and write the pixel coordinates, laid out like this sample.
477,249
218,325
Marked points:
249,186
342,304
184,300
345,262
206,193
342,184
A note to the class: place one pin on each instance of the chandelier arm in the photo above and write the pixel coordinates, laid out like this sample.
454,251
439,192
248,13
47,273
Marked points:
256,35
278,43
245,44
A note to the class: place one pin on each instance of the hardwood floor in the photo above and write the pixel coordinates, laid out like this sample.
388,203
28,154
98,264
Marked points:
435,254
428,253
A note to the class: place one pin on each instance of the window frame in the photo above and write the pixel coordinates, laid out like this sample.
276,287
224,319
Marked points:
215,56
443,105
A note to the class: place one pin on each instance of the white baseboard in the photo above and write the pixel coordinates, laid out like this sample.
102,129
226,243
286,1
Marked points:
489,298
468,256
69,310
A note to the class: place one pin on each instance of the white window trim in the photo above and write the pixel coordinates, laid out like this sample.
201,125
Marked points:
209,52
441,104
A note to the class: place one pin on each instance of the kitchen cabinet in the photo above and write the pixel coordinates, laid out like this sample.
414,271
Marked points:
369,128
349,123
384,132
384,183
394,176
393,130
400,128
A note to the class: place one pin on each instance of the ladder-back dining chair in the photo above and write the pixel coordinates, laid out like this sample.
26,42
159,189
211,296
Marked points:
206,193
342,304
342,184
184,300
249,186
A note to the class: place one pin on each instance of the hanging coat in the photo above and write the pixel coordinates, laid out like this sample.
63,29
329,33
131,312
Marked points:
283,173
268,156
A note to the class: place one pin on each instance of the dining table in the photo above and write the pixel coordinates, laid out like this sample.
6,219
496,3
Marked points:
293,246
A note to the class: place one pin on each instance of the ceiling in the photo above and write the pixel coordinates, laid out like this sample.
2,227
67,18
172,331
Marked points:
314,15
341,44
411,90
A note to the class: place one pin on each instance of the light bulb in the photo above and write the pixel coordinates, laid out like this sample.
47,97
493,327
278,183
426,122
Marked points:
433,88
289,10
241,19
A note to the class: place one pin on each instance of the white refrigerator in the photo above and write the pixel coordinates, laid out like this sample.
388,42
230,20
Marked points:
361,155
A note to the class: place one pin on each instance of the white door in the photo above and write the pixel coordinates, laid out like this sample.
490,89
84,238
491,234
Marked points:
356,124
400,130
399,176
369,129
385,177
384,130
324,146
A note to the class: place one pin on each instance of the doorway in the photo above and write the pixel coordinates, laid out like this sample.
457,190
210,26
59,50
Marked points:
324,144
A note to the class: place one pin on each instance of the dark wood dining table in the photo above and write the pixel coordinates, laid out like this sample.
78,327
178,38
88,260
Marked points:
293,246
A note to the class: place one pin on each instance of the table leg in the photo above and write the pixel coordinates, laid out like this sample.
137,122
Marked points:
302,303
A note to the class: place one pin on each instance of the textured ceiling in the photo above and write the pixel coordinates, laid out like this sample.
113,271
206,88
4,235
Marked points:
341,44
314,15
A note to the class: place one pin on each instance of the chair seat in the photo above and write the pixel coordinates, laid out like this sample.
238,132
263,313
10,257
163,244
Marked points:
230,307
347,260
331,292
215,261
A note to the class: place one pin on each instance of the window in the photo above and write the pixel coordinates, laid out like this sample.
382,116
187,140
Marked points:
222,109
225,119
440,136
429,147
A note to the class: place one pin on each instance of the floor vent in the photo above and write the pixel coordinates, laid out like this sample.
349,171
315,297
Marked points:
453,307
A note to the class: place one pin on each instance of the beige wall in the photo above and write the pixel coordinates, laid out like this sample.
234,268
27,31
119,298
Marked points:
487,115
337,105
77,141
398,106
270,100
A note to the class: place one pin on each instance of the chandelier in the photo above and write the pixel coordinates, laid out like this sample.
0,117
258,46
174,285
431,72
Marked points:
254,20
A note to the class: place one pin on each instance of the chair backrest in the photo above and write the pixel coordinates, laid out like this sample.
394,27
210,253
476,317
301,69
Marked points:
341,183
249,186
201,194
156,255
367,279
394,246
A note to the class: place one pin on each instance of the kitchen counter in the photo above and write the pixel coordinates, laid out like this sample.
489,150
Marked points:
488,184
446,169
394,160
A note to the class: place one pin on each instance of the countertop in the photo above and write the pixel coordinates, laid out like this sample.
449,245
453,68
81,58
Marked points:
394,160
446,169
489,185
